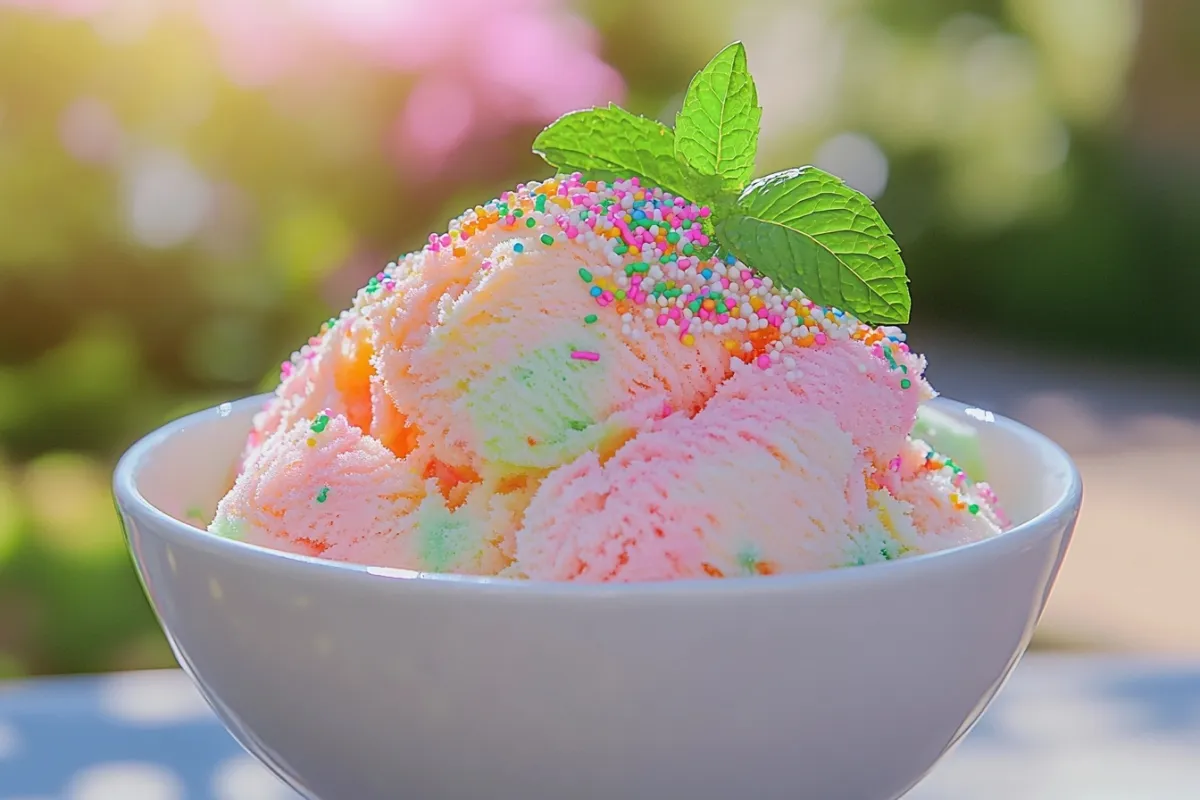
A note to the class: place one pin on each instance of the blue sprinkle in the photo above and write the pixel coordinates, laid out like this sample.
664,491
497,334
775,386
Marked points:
518,248
730,259
596,291
707,273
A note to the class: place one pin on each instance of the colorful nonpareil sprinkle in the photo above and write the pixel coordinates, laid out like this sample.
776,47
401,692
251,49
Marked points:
649,256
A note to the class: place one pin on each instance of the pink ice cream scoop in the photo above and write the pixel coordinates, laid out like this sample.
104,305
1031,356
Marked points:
566,387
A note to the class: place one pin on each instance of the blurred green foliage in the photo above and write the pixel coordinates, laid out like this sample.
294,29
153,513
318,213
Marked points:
173,223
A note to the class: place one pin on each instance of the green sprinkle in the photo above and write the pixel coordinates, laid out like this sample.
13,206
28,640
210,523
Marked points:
587,276
621,249
673,237
319,423
641,266
373,285
520,212
694,306
620,294
664,259
547,239
688,249
887,351
687,223
331,321
503,209
323,495
905,383
540,203
531,222
660,287
518,248
973,508
629,269
590,318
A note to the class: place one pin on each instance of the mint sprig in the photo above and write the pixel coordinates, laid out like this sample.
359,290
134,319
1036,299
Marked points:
804,228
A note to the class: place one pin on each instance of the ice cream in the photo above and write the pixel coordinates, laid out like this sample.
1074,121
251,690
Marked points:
567,386
574,382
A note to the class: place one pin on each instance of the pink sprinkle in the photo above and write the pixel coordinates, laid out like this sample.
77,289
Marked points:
673,312
763,361
821,338
585,355
725,285
389,285
433,238
445,240
877,351
624,229
746,275
705,211
485,264
775,320
510,219
722,319
285,369
640,298
666,409
729,301
894,464
648,237
607,296
704,313
903,348
662,320
762,313
684,324
562,190
703,240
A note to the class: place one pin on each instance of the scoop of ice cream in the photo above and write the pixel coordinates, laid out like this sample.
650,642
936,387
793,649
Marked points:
565,386
320,487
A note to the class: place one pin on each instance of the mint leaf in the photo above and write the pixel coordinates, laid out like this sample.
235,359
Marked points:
716,131
806,228
612,144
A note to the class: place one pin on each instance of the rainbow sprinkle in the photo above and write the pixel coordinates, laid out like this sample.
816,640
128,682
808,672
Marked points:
650,258
585,355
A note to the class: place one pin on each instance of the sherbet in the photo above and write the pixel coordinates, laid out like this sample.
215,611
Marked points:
563,386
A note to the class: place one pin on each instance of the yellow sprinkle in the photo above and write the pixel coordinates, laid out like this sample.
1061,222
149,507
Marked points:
688,339
730,344
312,442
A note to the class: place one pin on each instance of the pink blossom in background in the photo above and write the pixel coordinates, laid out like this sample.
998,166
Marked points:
258,42
477,67
90,131
436,120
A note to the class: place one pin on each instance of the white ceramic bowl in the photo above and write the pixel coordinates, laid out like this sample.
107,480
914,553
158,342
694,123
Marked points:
355,683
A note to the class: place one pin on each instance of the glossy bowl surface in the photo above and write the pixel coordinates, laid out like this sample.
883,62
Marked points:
357,683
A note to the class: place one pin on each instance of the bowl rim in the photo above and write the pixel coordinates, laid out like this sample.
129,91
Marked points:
132,502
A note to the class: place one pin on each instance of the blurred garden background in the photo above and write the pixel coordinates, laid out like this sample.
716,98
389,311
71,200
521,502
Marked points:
187,187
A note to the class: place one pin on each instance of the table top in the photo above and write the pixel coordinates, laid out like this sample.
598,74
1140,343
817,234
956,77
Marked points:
1065,728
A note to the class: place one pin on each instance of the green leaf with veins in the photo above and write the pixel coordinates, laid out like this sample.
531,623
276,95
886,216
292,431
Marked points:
806,228
716,131
612,144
